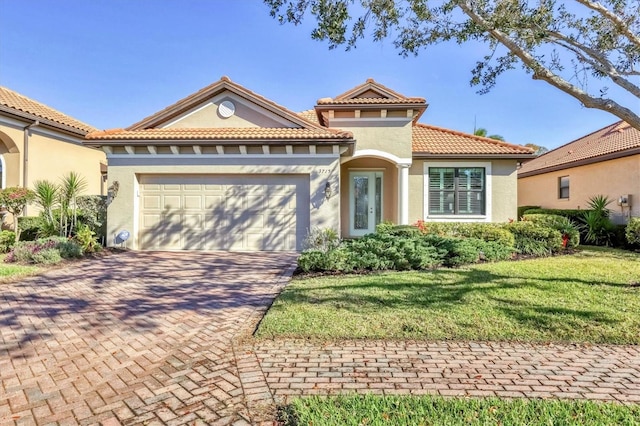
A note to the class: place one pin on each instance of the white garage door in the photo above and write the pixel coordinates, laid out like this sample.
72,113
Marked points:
223,212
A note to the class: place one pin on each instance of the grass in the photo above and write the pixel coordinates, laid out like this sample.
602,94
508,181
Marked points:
586,297
373,410
11,271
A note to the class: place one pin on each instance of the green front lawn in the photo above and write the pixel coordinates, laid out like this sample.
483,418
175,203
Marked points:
375,410
11,271
586,297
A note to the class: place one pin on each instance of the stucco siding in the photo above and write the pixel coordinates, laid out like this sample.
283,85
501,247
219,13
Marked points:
51,159
612,178
123,213
393,137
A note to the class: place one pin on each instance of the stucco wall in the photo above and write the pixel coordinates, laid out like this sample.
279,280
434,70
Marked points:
612,178
123,213
503,189
390,135
50,157
389,188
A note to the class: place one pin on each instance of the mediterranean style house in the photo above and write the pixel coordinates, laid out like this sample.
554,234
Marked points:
39,143
605,162
227,169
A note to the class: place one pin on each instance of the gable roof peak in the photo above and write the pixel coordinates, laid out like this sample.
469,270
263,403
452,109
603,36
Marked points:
206,93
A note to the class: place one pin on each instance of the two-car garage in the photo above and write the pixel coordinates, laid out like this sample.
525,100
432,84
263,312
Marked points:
223,212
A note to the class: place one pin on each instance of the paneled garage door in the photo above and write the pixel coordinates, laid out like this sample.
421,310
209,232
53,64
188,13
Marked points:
223,212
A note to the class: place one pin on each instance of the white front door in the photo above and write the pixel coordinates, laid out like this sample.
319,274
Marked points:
365,202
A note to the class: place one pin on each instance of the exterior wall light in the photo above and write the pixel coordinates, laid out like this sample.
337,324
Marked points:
327,190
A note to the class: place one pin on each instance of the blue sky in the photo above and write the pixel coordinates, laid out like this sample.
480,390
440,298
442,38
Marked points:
111,63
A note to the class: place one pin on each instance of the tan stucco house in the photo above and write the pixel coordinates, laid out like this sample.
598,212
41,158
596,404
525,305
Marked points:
227,169
37,143
605,162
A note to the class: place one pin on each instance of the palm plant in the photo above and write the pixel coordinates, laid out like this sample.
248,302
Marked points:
598,228
47,197
482,132
72,185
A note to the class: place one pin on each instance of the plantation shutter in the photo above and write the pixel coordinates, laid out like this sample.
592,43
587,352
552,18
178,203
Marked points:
456,191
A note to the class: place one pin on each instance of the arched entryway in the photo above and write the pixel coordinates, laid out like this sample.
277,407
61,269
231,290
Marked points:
371,192
10,169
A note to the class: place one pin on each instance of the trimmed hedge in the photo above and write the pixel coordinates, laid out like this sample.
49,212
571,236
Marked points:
482,231
574,215
29,227
560,223
522,210
536,240
632,231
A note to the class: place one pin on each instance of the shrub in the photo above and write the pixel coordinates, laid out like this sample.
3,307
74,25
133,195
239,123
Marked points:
323,240
47,256
92,211
86,239
7,240
29,227
534,239
598,228
559,223
632,231
464,251
383,251
575,215
483,231
522,210
42,251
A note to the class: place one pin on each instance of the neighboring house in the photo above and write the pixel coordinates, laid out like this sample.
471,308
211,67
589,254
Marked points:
605,162
37,142
227,169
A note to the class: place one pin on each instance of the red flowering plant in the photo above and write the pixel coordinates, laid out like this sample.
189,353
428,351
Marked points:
14,200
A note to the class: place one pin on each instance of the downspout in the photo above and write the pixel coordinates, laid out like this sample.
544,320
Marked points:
25,157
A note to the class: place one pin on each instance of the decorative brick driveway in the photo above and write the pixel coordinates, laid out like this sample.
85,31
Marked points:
136,338
152,338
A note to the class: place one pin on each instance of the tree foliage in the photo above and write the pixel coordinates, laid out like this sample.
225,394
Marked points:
483,133
14,200
567,45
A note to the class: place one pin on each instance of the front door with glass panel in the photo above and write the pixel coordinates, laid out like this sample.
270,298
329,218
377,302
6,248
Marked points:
365,202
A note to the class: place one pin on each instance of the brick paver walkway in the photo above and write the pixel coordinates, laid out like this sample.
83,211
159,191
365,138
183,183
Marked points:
136,338
452,369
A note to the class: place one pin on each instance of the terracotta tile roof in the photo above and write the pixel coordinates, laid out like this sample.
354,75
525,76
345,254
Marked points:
437,141
28,108
614,140
357,96
220,134
363,101
208,92
310,115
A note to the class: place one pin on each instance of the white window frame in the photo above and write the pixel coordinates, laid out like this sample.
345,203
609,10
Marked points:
459,218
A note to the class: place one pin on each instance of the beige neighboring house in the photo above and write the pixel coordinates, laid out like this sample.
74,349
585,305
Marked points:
37,142
227,169
605,162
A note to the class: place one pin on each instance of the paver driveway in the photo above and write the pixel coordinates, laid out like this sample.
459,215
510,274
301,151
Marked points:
136,337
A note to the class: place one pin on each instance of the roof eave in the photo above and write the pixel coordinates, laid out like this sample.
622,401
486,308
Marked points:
586,161
213,142
513,156
25,116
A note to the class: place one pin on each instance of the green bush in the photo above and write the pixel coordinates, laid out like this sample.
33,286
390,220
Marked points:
575,215
383,251
465,251
29,227
47,256
7,240
534,239
522,210
632,231
86,239
320,239
42,251
559,223
483,231
92,211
